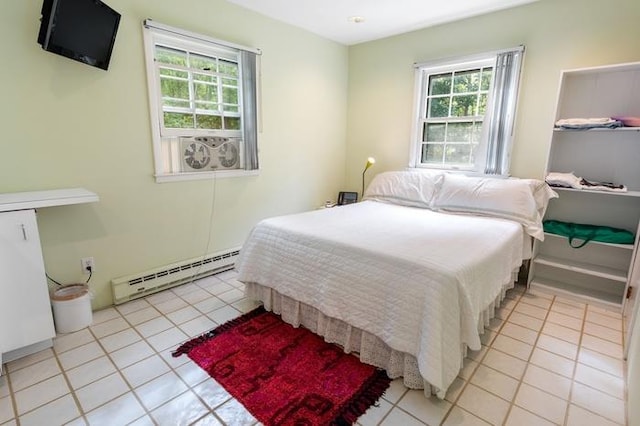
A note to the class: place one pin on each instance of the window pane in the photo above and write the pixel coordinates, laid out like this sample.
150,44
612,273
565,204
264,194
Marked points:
466,81
432,153
173,88
207,106
205,77
487,75
440,84
176,103
208,121
203,63
458,154
482,104
230,108
230,95
178,120
167,55
232,123
433,132
476,133
459,132
438,107
173,73
205,92
229,68
463,106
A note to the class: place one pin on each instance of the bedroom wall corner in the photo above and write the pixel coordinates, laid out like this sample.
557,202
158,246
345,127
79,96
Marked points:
70,125
557,34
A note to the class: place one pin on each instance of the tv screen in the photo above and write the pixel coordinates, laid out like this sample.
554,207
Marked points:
83,30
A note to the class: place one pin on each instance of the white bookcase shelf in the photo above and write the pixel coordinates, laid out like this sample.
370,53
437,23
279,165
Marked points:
596,272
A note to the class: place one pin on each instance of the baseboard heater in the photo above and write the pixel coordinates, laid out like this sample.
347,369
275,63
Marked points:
158,279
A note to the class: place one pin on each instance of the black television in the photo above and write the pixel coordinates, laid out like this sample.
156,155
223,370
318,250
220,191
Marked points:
83,30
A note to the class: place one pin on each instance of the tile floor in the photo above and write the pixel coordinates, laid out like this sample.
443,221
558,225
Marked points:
544,361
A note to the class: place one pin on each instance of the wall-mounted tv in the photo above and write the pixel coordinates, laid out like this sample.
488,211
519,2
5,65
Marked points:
83,30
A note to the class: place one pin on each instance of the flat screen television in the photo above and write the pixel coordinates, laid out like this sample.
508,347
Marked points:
83,30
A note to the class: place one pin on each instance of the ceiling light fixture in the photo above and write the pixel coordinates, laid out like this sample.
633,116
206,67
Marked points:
356,19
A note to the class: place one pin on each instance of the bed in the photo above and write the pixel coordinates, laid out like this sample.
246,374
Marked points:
409,277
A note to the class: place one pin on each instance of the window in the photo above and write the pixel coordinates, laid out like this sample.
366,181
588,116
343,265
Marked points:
202,95
465,112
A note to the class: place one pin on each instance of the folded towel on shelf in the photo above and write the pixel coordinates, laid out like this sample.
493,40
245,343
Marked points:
588,123
569,180
565,180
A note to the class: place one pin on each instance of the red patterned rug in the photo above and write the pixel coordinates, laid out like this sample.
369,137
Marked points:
285,375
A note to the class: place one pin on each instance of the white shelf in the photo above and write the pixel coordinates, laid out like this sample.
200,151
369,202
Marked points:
51,198
583,268
617,129
620,246
591,191
588,295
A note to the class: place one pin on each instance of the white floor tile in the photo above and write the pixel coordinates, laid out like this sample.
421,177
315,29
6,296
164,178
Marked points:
212,393
101,391
80,355
133,306
483,404
234,414
603,332
520,417
29,360
167,339
120,411
154,326
34,373
563,333
143,315
520,333
208,305
459,417
196,296
568,309
552,362
375,413
119,340
131,354
183,315
602,381
428,410
144,371
602,346
495,382
65,342
197,326
171,305
526,321
604,320
109,327
395,391
557,346
40,394
398,417
580,417
547,381
90,372
182,410
57,412
6,409
505,363
598,402
541,403
602,362
104,315
160,390
513,347
565,320
224,314
192,374
532,311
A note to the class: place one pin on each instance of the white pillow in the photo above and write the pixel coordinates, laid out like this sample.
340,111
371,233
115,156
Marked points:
413,188
520,200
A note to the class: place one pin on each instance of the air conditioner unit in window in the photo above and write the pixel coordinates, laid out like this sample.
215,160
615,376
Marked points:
209,153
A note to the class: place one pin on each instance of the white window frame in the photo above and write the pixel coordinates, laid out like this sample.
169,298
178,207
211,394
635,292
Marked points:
166,145
493,153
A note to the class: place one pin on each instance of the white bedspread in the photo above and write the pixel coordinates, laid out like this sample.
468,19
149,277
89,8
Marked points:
415,278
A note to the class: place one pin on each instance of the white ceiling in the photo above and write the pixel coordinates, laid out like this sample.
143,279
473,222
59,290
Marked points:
382,18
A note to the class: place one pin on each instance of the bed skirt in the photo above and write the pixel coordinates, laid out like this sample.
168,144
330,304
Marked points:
370,349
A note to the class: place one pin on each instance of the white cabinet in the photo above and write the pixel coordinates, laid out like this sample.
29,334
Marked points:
597,272
26,321
25,311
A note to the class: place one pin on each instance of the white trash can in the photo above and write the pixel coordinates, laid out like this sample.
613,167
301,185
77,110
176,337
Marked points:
71,308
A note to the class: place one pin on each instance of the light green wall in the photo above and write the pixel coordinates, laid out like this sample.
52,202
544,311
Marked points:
558,34
66,124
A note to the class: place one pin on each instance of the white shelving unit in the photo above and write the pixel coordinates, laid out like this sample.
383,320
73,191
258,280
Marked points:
597,272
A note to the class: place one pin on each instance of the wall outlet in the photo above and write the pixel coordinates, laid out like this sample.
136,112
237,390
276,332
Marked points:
86,263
